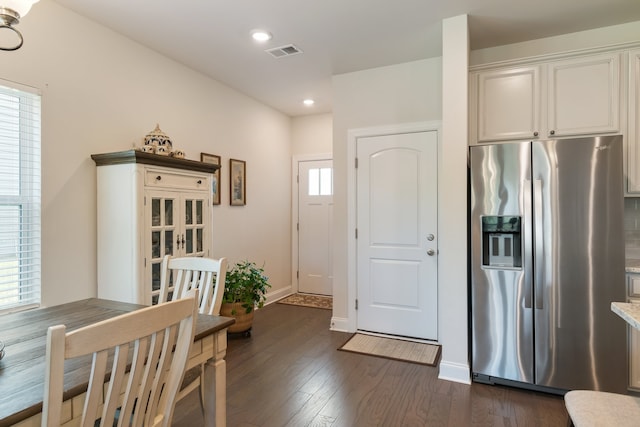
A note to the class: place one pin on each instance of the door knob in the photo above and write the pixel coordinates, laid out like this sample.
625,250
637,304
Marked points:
430,237
431,252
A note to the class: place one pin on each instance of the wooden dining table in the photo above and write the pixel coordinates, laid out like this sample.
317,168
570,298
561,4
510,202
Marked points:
22,370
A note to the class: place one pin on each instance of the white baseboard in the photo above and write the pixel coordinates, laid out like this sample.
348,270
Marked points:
455,372
278,294
339,324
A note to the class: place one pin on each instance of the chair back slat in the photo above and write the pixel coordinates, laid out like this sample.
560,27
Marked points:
207,275
118,373
140,350
94,390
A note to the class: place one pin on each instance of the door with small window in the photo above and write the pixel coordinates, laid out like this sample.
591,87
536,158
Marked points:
315,227
177,228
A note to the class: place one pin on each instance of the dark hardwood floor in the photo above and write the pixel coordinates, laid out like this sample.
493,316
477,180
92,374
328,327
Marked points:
289,373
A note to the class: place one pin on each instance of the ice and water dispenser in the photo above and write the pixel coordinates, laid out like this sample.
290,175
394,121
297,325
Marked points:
501,242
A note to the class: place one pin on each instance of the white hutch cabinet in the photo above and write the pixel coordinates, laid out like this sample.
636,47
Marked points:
148,206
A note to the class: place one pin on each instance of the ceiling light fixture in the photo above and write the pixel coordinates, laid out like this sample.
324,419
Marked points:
10,13
261,36
308,102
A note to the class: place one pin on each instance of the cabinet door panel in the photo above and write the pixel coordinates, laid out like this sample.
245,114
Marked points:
160,213
196,210
634,352
584,95
508,104
633,139
633,285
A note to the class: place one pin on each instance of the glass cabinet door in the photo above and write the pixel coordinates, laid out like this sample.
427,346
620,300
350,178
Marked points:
164,238
195,209
176,225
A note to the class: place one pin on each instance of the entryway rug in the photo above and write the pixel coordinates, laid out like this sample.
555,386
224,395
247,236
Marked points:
307,300
392,348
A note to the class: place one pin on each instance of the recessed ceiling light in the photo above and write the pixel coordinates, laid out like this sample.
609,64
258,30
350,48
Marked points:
308,102
261,35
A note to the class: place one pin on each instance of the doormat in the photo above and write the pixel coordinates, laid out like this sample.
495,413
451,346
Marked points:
306,300
392,348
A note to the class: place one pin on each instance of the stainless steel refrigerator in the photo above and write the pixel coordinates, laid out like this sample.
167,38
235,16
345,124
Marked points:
547,260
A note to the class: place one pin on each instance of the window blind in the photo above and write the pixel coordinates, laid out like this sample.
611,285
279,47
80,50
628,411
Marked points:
20,232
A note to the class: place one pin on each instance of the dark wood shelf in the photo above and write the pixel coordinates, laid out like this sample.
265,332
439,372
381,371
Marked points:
135,156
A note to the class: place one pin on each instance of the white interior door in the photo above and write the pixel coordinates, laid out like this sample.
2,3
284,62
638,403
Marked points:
397,234
315,220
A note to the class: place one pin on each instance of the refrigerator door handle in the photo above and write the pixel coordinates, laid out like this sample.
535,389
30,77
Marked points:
526,202
538,232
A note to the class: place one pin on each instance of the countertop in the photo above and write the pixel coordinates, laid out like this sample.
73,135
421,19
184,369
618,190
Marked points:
632,265
628,311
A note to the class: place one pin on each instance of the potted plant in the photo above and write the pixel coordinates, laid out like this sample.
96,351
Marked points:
245,288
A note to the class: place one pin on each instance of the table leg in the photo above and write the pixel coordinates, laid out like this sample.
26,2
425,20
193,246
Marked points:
215,382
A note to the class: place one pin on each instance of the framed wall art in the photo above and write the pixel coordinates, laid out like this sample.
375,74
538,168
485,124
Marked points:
215,184
238,182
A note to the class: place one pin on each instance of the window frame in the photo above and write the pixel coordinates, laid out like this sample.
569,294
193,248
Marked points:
20,123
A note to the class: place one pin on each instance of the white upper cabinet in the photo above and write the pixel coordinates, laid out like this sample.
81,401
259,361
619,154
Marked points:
584,96
577,96
508,104
633,134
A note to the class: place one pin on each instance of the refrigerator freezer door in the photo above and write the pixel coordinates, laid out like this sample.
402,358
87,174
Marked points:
579,263
502,314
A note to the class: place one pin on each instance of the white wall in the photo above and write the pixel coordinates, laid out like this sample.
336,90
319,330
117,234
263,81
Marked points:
403,93
452,203
607,36
312,134
101,92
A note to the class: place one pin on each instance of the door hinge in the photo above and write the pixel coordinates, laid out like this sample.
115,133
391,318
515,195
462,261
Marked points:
298,179
297,274
145,200
298,226
356,159
356,233
145,263
356,303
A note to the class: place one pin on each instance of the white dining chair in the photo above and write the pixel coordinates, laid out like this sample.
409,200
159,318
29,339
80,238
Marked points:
146,352
180,275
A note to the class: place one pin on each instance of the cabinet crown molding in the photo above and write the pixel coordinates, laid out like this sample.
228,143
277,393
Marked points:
136,156
537,59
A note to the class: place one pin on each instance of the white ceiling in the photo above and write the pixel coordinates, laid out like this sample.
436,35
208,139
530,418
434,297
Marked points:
336,36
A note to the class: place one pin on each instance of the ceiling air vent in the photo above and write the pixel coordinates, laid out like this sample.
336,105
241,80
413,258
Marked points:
282,51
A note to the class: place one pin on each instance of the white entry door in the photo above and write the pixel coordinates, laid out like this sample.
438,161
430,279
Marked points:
315,224
397,234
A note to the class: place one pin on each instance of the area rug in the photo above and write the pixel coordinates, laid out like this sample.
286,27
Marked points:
392,348
307,300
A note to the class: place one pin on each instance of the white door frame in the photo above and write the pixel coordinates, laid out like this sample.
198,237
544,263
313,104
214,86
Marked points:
352,139
294,210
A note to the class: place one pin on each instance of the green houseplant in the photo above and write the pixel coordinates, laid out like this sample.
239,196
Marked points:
245,288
